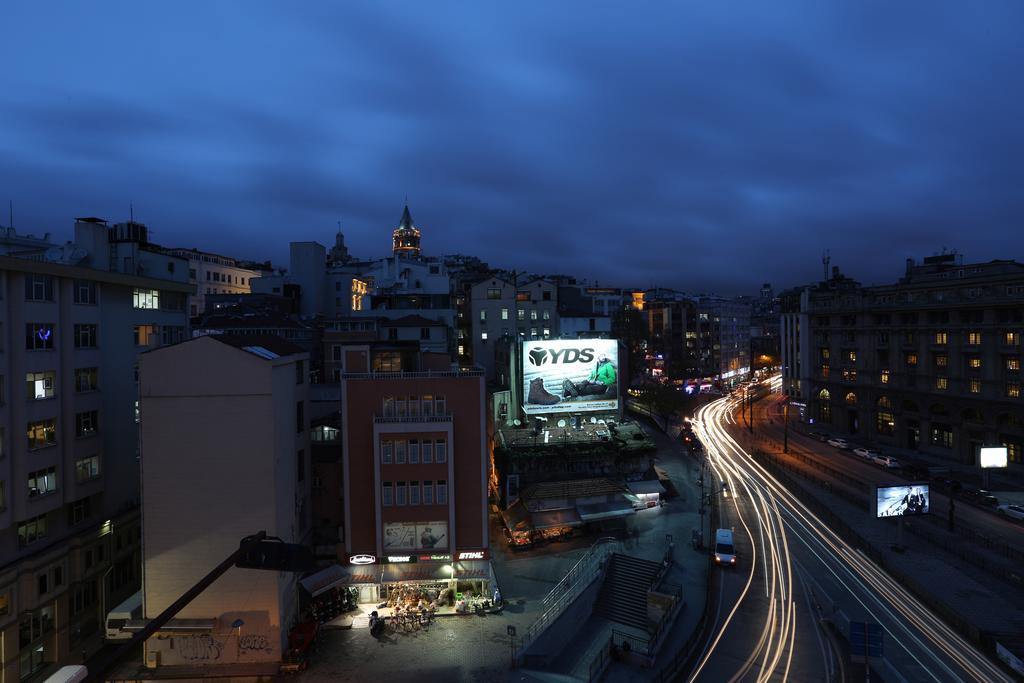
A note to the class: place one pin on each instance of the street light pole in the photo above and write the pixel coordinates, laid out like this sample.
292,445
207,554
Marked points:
785,426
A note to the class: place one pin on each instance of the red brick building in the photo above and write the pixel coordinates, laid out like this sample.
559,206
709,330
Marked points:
415,461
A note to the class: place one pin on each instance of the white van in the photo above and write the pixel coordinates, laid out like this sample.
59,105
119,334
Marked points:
725,551
121,615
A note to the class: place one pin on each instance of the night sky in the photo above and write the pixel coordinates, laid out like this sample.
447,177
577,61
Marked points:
703,146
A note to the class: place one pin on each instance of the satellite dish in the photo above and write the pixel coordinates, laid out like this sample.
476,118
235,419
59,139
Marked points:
593,420
517,422
600,422
561,423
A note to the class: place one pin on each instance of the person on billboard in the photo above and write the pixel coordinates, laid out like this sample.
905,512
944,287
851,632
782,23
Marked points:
600,382
428,539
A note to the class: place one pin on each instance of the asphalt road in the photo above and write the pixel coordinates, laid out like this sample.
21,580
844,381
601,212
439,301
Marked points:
796,571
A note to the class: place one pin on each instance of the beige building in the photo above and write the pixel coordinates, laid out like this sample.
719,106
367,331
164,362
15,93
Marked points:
215,274
225,454
73,318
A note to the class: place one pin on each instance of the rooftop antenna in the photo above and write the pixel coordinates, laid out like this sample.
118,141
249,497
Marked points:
825,260
131,212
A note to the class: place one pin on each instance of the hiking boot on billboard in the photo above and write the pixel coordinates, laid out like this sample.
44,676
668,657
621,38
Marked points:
569,389
539,395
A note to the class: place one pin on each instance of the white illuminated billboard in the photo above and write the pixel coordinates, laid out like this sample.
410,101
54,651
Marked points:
992,456
899,501
570,376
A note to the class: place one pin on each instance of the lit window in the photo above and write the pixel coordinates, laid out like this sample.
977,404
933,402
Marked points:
521,314
1012,390
941,360
42,482
504,314
39,336
941,337
39,385
483,315
547,315
974,362
42,433
533,314
885,377
483,336
975,386
462,350
145,298
974,338
1013,364
911,359
942,383
851,356
1012,338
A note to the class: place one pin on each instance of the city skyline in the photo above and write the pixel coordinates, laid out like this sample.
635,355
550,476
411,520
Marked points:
625,139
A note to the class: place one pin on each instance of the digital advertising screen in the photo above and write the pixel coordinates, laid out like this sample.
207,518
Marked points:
902,500
992,457
570,376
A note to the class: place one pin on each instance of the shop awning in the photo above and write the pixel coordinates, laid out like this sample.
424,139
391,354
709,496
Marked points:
550,519
595,512
473,569
337,575
436,571
516,517
642,487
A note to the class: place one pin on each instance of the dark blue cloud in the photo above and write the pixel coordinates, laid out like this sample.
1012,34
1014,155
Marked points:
705,148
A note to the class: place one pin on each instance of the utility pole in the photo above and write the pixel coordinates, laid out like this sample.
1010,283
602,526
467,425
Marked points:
785,426
750,410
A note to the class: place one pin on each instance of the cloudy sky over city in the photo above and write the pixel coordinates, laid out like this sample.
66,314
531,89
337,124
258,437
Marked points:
701,146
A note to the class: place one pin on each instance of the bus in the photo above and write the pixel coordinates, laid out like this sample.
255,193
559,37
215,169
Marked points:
120,615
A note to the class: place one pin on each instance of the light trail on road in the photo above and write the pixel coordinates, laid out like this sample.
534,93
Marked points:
780,515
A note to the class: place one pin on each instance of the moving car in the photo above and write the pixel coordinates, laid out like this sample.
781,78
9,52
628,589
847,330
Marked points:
887,461
725,551
841,444
818,435
1012,511
981,497
866,453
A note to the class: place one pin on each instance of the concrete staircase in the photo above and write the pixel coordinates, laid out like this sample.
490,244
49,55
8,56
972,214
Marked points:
623,596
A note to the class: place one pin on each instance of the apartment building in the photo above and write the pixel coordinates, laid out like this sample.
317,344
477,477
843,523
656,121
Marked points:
73,318
506,310
723,334
216,274
225,454
931,362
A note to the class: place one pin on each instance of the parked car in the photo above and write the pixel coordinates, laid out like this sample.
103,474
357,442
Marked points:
818,435
866,453
887,461
980,497
1012,511
841,444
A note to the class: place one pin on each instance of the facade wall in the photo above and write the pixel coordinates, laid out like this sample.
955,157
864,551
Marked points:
368,424
931,363
220,445
500,309
79,529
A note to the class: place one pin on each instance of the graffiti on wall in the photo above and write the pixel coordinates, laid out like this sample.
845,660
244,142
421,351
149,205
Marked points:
253,643
198,648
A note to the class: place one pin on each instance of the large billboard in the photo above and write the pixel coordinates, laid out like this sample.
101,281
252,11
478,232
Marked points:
992,456
899,501
570,376
415,535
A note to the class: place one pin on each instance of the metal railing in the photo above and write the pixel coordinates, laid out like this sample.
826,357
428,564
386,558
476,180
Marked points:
424,374
576,580
397,419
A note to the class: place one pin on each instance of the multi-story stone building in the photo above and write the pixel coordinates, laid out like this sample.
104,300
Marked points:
508,309
931,362
73,319
225,454
216,274
672,333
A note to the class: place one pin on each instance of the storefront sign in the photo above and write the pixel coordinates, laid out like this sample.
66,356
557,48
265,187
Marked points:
436,558
401,558
362,559
478,555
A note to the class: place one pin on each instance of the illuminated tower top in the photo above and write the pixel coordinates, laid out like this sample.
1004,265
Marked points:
406,237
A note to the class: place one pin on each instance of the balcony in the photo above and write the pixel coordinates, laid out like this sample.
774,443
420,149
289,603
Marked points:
402,419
